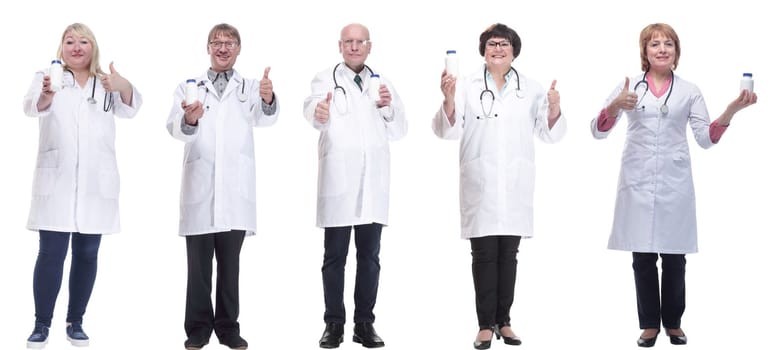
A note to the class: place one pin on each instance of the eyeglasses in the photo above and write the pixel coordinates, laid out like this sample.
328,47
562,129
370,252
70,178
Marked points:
496,44
359,43
230,45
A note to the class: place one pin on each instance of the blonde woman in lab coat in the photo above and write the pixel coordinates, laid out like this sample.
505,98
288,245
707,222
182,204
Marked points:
76,185
655,210
496,112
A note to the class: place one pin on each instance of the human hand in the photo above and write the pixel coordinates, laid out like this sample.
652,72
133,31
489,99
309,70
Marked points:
384,96
46,87
448,86
266,87
745,98
192,113
322,112
554,101
626,100
114,81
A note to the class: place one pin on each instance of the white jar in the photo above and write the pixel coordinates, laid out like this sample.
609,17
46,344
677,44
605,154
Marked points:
56,75
190,92
451,63
373,87
747,82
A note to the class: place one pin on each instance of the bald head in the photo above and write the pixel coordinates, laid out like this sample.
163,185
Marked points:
355,29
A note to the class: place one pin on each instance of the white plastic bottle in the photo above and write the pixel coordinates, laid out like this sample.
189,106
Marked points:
191,92
451,63
56,75
747,82
373,87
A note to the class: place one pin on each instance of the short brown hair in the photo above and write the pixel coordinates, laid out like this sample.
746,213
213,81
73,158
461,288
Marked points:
499,30
226,30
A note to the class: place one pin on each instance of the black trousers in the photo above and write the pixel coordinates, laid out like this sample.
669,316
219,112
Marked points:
367,239
668,305
494,269
200,317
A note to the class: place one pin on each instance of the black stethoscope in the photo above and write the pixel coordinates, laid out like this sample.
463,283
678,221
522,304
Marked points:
487,114
338,87
665,106
108,99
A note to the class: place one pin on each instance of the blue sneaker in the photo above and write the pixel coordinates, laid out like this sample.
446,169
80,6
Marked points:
76,335
39,337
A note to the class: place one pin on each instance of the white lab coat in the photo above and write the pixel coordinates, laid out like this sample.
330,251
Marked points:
218,177
354,154
655,211
76,183
497,154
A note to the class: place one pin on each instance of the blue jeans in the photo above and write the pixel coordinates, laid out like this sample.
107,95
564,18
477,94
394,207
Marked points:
47,277
367,238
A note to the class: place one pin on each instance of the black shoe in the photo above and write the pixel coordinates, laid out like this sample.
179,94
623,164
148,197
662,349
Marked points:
647,342
677,339
366,335
332,336
507,340
196,341
484,344
234,341
39,337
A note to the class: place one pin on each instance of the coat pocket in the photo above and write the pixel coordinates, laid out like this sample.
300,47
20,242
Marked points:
197,181
46,173
332,181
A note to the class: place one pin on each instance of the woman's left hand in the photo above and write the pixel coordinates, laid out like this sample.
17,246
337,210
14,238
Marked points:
114,81
745,98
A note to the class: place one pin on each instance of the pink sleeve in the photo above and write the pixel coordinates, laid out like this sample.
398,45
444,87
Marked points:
605,122
716,131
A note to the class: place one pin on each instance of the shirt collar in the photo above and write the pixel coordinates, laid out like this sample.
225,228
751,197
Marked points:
226,75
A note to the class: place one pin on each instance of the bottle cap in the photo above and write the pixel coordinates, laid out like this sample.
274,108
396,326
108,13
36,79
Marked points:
190,80
747,75
56,61
450,51
375,75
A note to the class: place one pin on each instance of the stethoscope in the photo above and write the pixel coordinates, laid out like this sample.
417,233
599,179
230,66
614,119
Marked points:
338,87
665,106
108,99
243,96
489,113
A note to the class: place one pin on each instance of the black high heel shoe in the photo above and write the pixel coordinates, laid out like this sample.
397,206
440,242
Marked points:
677,339
507,340
484,344
647,342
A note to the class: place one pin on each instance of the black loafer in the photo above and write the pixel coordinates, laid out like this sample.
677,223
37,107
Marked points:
196,341
647,342
366,335
333,336
234,341
677,339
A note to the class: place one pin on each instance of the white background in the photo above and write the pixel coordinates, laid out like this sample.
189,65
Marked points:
571,291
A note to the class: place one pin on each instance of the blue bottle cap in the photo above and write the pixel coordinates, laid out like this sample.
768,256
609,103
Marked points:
748,75
56,61
375,75
450,51
190,80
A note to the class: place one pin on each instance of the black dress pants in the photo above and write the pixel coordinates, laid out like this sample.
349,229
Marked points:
200,316
668,305
367,244
494,269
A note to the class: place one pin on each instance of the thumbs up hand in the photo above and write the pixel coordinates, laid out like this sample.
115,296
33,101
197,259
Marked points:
113,81
322,112
626,100
266,87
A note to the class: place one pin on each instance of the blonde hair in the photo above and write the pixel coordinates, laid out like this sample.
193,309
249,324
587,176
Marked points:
648,33
82,30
